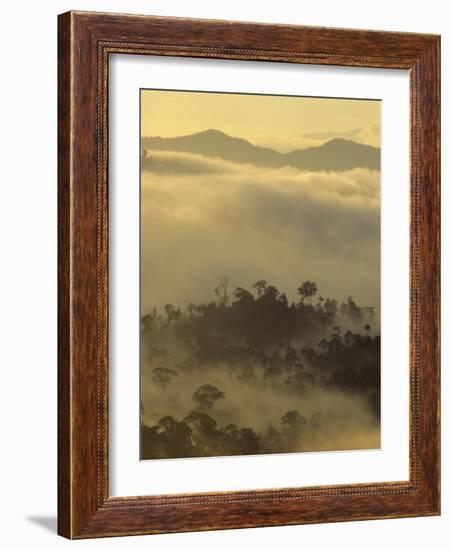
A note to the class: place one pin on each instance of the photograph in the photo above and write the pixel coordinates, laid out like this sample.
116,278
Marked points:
231,227
259,274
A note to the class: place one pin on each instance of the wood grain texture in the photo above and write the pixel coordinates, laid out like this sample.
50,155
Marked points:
85,42
64,295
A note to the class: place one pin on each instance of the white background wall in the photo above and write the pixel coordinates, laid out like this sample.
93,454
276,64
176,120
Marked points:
28,270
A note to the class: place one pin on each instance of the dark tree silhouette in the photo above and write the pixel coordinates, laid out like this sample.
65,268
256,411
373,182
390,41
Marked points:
293,421
249,442
163,376
206,396
260,287
260,340
222,291
172,313
200,422
307,290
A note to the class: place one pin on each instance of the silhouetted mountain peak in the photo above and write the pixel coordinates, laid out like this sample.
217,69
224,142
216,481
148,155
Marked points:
218,136
213,133
338,142
337,154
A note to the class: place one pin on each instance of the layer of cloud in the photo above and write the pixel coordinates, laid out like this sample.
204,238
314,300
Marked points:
349,423
168,162
204,218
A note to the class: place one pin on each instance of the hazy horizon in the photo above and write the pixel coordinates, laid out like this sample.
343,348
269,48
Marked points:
312,223
260,274
293,143
285,126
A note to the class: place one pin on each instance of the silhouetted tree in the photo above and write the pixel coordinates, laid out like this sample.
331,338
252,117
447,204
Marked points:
351,310
293,421
172,313
261,339
249,442
260,287
222,291
205,396
175,436
330,307
271,440
163,376
307,290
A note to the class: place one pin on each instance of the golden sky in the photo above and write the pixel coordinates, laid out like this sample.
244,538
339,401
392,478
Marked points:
215,213
262,119
206,217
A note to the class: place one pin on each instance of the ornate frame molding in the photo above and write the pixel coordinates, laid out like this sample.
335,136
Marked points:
85,42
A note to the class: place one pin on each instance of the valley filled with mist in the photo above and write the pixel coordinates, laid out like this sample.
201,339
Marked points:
234,364
251,373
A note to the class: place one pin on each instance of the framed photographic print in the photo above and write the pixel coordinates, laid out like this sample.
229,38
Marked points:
248,275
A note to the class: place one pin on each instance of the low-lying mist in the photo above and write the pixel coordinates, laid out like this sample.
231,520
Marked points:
210,217
335,419
231,365
254,374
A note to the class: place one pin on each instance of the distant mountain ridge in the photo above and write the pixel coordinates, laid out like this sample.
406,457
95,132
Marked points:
338,154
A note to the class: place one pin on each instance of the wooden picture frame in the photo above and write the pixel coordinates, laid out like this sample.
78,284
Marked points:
85,42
